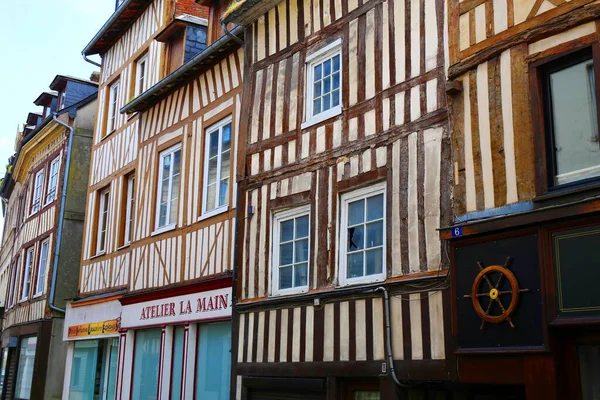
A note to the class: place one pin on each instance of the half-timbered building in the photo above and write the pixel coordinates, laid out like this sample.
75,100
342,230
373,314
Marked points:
345,176
523,92
43,199
154,305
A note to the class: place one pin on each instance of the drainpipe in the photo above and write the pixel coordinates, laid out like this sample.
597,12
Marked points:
61,215
231,35
91,61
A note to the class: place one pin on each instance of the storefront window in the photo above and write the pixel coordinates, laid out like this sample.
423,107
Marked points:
93,370
146,364
214,361
177,366
589,367
3,369
362,395
25,367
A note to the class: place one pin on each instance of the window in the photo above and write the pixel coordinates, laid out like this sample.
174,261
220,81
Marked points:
102,221
571,119
217,163
113,109
214,361
362,236
291,251
323,84
27,274
25,367
168,187
53,180
42,267
14,283
146,364
140,75
177,364
129,208
94,369
38,184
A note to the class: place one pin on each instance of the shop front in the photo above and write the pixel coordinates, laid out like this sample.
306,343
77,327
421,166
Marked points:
176,343
92,333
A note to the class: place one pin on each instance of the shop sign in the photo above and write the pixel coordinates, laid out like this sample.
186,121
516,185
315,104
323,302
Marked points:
208,305
94,328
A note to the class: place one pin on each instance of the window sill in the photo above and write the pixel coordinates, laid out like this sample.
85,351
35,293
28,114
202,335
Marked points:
365,280
163,229
332,112
100,254
566,191
289,292
124,246
106,136
212,213
37,295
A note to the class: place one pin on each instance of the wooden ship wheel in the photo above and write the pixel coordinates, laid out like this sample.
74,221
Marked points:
494,293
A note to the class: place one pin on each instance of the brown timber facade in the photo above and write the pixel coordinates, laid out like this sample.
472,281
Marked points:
523,96
380,138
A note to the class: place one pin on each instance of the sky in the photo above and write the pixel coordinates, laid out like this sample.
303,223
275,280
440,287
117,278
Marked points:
40,39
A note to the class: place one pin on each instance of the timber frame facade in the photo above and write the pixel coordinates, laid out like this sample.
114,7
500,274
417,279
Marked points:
154,302
382,136
43,197
524,202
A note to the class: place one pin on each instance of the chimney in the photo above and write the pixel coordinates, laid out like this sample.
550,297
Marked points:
95,76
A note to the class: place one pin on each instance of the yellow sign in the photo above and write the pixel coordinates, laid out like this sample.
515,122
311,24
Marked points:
95,328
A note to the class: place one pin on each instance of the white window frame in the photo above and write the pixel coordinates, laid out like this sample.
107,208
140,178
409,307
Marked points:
13,296
38,188
129,209
219,209
140,87
29,258
53,172
42,263
113,107
170,225
277,219
345,199
317,57
104,208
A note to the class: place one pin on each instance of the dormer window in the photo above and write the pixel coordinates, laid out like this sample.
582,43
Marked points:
185,37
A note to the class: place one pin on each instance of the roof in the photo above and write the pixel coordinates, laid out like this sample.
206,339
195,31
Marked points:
44,97
117,24
243,12
59,80
194,67
177,24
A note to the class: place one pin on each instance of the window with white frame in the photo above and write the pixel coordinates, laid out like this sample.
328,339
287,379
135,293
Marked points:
140,75
102,221
14,283
27,274
291,251
362,236
38,185
168,187
113,109
217,165
42,267
323,84
129,207
52,180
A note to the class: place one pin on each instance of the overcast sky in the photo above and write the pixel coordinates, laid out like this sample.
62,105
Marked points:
40,39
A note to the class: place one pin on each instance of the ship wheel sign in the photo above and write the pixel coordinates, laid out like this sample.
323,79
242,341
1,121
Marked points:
494,293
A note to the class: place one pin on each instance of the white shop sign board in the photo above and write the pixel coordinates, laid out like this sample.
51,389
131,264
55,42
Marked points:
203,306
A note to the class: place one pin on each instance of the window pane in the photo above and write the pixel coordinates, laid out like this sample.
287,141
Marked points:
302,227
301,250
355,265
336,62
176,162
285,278
326,102
317,90
211,192
223,191
375,207
113,359
318,72
84,369
317,106
146,364
287,230
374,234
326,86
356,212
286,253
335,98
214,361
301,274
226,137
356,238
212,170
374,261
576,146
177,366
25,367
327,68
213,148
